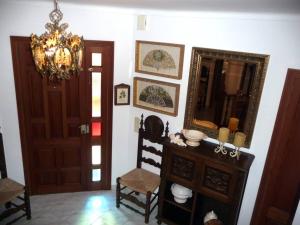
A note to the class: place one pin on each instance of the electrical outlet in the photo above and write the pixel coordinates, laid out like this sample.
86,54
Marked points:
137,121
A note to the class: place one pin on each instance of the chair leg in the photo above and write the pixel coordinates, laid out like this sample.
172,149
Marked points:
118,190
147,208
8,205
27,204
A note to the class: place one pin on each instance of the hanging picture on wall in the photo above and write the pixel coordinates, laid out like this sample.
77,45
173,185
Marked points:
159,59
122,94
156,95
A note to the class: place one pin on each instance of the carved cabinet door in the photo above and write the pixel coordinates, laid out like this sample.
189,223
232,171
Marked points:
218,181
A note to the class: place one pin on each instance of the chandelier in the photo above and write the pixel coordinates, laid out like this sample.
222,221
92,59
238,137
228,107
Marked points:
57,53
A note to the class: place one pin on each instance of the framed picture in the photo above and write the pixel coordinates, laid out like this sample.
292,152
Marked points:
122,94
156,95
159,59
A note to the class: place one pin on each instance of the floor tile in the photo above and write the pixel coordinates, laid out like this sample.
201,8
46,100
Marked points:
82,208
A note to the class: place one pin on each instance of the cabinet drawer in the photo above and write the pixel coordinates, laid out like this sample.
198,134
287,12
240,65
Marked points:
182,169
218,181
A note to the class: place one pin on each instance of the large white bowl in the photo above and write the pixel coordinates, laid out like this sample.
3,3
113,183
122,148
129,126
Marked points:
193,137
180,193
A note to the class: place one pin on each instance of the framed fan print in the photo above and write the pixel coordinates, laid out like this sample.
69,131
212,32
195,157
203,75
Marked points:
156,95
159,59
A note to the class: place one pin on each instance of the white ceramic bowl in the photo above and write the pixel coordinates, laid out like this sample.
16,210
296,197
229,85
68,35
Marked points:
180,193
193,137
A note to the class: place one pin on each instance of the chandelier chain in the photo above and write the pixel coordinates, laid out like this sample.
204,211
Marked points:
56,4
56,15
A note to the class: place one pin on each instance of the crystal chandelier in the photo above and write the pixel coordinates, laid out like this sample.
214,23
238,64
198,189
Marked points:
57,53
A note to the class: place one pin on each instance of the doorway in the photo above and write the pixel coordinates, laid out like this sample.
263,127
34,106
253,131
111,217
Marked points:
279,190
65,126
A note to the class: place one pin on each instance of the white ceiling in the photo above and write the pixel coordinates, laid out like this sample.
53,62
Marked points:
250,6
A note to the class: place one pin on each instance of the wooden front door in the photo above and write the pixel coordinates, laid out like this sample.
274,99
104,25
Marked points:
279,190
65,126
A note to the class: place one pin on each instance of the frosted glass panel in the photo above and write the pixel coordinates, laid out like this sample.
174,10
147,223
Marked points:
96,154
96,94
96,128
96,59
96,175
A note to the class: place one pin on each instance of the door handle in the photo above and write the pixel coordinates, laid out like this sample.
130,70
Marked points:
84,129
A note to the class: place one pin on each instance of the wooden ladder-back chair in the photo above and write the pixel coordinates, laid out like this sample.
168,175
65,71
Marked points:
139,180
13,196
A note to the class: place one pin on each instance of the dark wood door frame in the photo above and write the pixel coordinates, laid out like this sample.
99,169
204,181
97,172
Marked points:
106,111
279,190
21,107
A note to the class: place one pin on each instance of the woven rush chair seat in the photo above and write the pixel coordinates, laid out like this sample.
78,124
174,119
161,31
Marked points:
141,180
14,196
9,190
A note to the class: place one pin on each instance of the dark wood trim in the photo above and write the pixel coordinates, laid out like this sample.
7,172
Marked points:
14,40
276,157
109,111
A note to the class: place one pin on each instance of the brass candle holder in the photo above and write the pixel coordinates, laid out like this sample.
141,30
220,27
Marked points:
221,148
238,142
222,138
235,153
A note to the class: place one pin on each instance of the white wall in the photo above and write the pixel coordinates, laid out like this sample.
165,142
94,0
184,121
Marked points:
297,216
277,36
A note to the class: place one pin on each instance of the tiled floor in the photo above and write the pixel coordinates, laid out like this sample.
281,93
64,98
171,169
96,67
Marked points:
82,208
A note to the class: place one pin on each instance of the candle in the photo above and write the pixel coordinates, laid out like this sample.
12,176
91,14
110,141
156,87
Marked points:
223,134
233,124
239,139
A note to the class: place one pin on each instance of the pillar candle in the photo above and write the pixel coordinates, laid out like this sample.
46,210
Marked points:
223,134
233,124
239,139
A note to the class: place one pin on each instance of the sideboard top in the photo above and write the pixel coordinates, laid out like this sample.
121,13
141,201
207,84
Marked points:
206,150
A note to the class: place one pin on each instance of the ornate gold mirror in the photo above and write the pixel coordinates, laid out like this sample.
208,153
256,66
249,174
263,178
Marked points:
224,91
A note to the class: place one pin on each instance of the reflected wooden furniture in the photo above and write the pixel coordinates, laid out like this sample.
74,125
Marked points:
206,123
217,181
13,196
139,180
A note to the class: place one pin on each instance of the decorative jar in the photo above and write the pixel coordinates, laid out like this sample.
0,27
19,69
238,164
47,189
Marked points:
180,193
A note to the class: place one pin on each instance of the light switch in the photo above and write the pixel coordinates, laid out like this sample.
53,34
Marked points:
141,22
136,124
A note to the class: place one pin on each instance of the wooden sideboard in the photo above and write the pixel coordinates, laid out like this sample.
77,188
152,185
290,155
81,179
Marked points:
217,182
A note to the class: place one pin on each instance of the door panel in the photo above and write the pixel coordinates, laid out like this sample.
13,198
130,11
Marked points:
56,153
279,191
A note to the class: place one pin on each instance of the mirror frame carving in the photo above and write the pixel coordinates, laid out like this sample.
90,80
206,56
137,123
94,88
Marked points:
261,62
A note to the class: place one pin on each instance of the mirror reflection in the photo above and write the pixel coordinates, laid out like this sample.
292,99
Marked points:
224,91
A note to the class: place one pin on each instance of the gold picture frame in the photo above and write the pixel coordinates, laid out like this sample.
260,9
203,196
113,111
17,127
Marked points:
159,59
157,96
218,63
